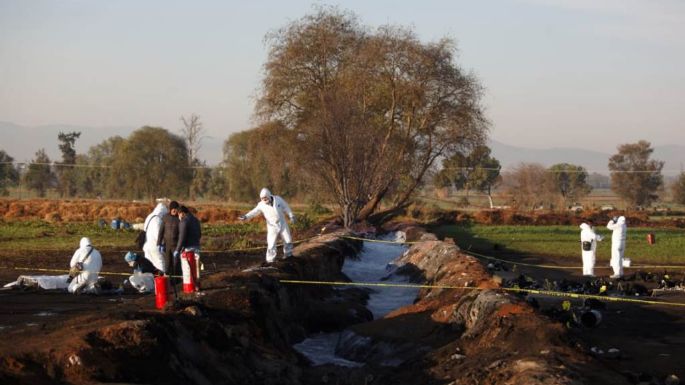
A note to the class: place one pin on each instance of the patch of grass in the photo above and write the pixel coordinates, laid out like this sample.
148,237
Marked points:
564,242
38,235
45,236
41,235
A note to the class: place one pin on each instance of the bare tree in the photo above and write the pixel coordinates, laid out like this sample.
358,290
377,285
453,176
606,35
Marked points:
372,110
530,186
192,134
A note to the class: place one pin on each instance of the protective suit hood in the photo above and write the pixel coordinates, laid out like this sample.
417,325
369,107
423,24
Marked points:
265,193
160,210
130,257
621,220
585,226
85,242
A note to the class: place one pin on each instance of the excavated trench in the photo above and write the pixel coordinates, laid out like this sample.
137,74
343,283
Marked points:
242,329
374,263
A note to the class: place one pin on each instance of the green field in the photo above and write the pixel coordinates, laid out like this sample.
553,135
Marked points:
564,242
34,236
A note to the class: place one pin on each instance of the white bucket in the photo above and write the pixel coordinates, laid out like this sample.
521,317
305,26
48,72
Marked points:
626,262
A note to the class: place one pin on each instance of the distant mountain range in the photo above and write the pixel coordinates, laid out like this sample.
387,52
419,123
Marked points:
22,142
593,161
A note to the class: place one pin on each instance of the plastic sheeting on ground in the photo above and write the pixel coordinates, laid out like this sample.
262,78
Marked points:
46,282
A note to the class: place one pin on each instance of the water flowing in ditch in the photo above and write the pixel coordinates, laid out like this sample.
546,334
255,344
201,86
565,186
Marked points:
375,264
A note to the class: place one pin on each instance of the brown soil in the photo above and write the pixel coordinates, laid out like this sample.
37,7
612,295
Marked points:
83,210
544,218
240,330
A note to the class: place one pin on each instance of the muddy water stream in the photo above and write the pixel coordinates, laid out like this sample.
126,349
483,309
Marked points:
374,264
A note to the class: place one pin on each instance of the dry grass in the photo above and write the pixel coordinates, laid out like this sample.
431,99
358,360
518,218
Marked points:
82,210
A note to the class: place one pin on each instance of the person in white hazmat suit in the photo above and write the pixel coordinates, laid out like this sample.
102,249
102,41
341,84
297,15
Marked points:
85,266
618,244
273,208
152,226
588,245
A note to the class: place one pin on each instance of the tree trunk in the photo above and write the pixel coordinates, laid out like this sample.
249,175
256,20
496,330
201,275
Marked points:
348,217
371,206
381,217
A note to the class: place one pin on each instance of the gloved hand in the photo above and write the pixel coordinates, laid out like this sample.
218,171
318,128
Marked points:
161,248
292,219
614,219
242,217
79,266
176,254
73,272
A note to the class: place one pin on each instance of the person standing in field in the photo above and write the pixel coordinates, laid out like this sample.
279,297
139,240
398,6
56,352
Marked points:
588,242
273,208
189,234
152,227
618,244
168,237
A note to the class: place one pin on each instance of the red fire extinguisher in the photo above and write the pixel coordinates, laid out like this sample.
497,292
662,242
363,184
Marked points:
161,293
189,268
651,239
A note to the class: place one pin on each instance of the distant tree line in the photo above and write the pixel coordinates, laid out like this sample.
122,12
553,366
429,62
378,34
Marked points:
359,116
153,162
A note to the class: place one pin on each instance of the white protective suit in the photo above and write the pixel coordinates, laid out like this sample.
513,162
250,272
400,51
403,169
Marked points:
143,282
587,234
92,264
618,244
276,225
153,224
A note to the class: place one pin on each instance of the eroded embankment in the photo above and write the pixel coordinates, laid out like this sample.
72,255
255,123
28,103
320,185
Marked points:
464,336
241,331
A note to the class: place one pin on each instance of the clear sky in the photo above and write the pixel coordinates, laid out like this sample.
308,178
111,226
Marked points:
574,73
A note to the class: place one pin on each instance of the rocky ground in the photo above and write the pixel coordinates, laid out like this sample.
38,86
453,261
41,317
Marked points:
241,328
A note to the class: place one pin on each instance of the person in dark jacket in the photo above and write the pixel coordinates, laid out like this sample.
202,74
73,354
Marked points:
168,237
189,234
140,264
189,231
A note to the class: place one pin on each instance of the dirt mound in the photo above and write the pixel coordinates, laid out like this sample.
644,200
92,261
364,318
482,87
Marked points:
239,331
474,335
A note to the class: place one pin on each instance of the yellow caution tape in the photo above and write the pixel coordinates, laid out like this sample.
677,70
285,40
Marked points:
107,249
67,270
549,293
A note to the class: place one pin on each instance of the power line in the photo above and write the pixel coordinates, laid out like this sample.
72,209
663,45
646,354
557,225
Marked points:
573,171
85,165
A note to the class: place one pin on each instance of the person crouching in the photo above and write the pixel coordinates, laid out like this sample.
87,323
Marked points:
143,278
85,266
